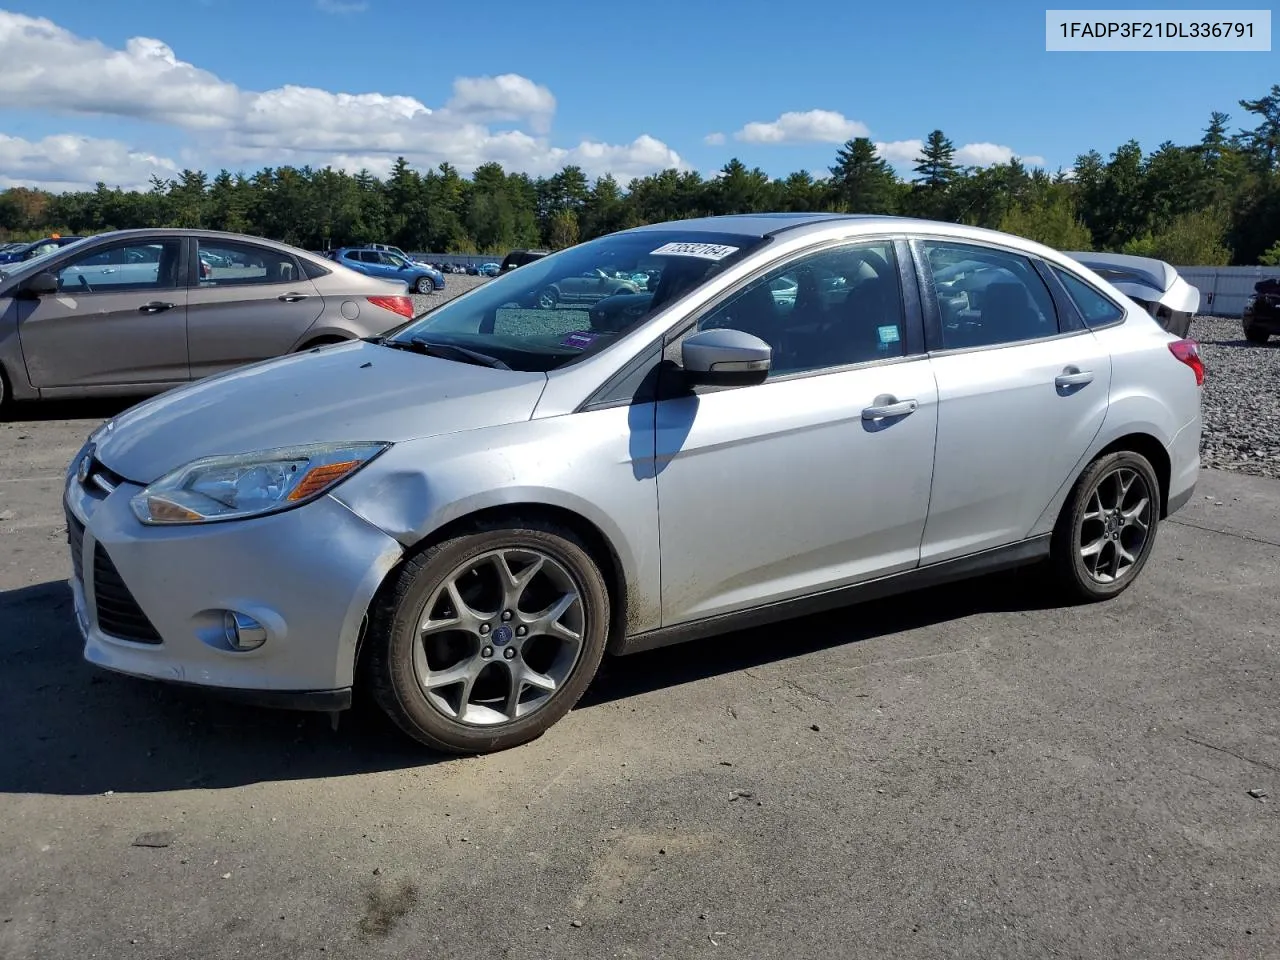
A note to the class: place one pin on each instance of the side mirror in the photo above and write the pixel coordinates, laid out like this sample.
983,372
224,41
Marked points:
725,358
43,284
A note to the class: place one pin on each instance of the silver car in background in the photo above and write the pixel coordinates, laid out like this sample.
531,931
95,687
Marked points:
135,312
465,516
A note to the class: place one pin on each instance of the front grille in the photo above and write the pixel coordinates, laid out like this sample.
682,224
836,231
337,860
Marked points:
75,539
118,613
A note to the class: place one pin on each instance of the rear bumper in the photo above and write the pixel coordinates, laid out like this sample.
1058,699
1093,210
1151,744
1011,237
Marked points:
1184,465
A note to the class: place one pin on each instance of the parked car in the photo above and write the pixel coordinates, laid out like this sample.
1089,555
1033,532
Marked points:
134,312
1155,285
589,287
1261,319
380,263
467,514
37,248
518,258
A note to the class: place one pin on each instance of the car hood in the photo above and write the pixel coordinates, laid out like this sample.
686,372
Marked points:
356,391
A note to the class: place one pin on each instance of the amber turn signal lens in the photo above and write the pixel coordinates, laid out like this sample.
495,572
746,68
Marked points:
320,477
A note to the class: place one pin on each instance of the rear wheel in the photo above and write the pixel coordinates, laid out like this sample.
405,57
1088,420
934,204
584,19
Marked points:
485,640
1107,527
1254,335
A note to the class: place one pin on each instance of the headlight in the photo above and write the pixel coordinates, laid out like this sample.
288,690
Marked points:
252,484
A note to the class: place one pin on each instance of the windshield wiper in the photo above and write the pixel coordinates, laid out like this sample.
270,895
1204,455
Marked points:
446,351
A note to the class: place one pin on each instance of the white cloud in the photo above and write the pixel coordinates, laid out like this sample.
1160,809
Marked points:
811,126
988,154
713,139
69,162
900,152
51,69
507,97
341,6
906,153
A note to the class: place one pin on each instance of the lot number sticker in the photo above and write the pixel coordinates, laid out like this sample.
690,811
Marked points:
706,251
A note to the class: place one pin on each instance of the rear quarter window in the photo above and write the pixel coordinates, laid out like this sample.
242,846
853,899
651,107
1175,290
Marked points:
1096,308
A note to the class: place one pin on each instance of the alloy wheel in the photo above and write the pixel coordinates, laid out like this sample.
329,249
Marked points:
1115,527
499,637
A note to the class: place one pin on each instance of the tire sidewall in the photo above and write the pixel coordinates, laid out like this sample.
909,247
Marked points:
424,285
1067,537
393,658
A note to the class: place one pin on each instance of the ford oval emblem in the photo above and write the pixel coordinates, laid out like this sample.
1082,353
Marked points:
502,636
85,465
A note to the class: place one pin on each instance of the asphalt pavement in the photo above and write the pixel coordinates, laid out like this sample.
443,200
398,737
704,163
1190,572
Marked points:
969,772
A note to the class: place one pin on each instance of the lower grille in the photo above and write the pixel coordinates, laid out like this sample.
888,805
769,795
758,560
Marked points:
75,539
118,613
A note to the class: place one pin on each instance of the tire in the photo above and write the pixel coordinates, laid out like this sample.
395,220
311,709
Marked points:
6,396
1106,573
469,707
548,298
1256,336
424,285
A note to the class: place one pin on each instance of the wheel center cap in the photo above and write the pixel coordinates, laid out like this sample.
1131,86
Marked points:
502,636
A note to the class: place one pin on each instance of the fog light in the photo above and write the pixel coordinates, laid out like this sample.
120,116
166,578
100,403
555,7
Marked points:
242,631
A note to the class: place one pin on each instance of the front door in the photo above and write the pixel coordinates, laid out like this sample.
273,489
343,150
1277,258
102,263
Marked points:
1021,396
819,477
118,319
249,303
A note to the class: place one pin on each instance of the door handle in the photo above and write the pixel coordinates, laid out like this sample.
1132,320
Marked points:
155,306
1073,377
889,408
292,297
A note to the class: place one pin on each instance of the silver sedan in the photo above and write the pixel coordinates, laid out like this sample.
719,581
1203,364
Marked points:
136,312
466,516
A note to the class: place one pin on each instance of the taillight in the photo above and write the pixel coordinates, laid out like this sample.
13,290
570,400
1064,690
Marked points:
400,305
1188,351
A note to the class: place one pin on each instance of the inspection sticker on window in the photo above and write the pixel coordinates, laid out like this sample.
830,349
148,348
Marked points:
579,339
888,334
705,251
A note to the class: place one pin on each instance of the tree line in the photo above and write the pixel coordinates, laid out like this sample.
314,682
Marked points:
1216,201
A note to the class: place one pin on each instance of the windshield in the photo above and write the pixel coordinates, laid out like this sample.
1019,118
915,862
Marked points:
560,307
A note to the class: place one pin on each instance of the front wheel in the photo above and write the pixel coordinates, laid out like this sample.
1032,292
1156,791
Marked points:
485,640
1107,527
424,285
1254,335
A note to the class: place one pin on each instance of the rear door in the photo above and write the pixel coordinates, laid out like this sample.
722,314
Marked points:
1023,388
248,302
118,319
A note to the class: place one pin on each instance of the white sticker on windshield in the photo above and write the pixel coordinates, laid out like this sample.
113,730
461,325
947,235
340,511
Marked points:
706,251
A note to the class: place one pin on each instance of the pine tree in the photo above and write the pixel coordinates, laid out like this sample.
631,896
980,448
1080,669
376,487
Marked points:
862,180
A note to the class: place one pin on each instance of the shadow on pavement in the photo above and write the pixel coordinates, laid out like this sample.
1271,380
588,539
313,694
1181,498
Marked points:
72,729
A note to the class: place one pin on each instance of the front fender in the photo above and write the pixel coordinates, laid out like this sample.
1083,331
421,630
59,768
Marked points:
596,465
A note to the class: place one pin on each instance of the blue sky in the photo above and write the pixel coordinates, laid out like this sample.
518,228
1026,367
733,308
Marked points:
628,88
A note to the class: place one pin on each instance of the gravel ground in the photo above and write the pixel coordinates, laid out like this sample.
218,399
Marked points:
1241,395
455,285
1241,399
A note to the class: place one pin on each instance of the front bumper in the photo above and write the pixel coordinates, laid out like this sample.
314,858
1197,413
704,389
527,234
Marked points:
149,601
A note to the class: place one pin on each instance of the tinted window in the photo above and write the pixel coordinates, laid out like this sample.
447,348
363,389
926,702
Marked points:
825,310
987,296
134,266
314,270
224,264
1093,306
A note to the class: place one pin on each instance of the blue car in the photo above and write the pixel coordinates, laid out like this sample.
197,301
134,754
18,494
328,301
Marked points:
29,251
382,263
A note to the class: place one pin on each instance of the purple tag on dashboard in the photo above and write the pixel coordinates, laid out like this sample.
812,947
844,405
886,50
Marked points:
580,340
